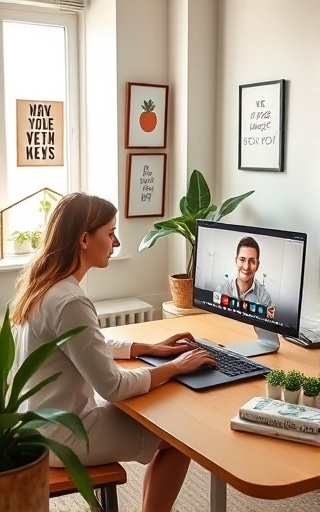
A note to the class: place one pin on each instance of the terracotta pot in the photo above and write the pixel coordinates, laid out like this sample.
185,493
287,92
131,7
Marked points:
26,489
181,287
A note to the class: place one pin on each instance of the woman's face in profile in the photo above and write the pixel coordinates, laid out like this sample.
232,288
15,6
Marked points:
100,245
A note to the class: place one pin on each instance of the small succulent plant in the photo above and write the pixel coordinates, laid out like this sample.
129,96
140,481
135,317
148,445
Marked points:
293,380
276,377
311,386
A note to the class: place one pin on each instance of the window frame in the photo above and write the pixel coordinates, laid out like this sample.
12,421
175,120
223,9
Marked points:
70,21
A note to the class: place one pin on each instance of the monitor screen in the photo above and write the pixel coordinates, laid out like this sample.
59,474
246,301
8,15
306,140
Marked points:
250,274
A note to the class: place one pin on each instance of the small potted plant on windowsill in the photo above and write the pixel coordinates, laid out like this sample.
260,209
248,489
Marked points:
274,383
24,449
292,386
21,242
196,204
310,390
35,237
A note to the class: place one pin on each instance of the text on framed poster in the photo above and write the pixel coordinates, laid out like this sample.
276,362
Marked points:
145,184
39,133
261,126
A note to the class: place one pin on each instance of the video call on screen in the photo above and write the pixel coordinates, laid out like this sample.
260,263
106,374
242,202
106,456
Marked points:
277,280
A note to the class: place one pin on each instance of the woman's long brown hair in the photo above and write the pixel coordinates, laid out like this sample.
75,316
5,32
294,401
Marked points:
59,254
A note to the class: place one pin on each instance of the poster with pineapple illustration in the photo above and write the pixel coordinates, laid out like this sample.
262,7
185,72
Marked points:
146,115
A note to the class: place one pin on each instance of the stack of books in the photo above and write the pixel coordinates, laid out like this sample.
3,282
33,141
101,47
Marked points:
275,418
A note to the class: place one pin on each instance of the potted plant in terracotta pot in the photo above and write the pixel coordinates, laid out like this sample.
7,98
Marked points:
24,460
274,383
196,204
292,386
310,390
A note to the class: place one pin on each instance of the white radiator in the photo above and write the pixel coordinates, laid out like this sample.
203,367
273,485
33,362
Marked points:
123,311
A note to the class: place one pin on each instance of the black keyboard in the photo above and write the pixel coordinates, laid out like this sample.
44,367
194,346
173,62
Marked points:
230,363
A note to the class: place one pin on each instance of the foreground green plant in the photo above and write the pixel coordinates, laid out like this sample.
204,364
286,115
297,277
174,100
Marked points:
193,206
20,440
293,380
311,386
276,377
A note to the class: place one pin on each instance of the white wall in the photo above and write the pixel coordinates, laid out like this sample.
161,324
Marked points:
157,43
204,49
262,40
141,44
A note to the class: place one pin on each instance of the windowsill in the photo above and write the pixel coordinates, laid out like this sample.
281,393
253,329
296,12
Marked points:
15,263
12,263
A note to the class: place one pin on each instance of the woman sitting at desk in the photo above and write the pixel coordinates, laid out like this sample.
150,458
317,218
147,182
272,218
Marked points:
48,302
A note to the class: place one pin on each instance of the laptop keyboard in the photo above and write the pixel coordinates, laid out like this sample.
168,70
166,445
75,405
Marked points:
230,363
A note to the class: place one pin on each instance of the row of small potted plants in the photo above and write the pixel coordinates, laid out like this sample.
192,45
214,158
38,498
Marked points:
293,386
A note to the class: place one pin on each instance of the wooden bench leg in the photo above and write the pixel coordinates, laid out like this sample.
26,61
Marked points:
107,497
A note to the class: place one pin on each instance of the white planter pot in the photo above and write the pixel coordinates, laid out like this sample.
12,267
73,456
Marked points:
309,401
292,397
273,392
21,248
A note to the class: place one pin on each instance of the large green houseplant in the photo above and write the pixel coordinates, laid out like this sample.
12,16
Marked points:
20,441
196,204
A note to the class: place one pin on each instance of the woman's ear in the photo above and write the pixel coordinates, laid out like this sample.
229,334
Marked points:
83,241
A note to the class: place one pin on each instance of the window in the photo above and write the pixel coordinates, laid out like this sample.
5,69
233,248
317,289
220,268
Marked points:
38,62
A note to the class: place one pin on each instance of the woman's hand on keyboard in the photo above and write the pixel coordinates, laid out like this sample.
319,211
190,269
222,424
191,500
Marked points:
175,345
192,360
184,363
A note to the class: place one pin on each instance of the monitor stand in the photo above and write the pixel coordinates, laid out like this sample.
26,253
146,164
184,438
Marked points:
266,343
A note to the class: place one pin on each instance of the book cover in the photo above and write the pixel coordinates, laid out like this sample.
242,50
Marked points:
276,413
242,425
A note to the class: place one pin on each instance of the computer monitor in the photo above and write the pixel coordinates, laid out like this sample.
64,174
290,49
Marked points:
253,275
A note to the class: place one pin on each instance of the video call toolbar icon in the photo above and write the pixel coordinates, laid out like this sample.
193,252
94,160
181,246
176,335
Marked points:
241,306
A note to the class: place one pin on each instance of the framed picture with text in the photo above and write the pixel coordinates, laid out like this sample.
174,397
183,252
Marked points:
146,115
261,126
145,184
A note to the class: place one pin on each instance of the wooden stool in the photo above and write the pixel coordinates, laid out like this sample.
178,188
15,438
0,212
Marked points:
105,478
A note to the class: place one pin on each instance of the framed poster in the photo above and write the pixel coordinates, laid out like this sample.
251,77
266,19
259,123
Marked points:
39,133
146,115
145,184
261,126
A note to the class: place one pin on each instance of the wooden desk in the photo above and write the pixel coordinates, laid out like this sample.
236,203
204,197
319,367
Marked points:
198,423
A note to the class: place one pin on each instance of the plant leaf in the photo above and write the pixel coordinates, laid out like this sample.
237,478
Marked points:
9,420
33,362
33,391
72,464
151,238
7,354
230,204
67,419
198,194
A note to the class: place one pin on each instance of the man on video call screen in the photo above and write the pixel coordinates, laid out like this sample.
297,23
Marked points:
245,286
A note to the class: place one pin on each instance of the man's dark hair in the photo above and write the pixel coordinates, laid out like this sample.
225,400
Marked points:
248,241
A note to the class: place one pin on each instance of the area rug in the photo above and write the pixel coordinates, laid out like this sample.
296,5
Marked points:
193,497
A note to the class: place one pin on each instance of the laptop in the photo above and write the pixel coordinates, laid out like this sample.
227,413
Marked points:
231,368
